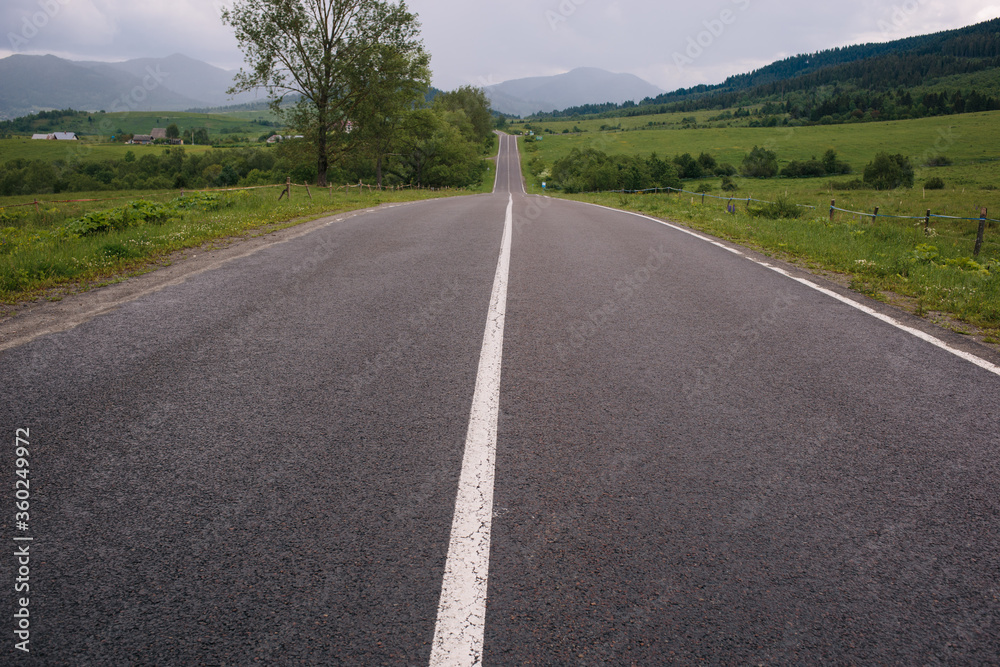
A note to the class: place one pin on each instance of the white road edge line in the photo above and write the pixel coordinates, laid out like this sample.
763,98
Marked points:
461,618
926,337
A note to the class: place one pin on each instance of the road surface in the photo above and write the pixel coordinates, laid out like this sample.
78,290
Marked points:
675,450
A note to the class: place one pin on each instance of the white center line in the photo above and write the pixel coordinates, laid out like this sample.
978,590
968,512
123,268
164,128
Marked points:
461,619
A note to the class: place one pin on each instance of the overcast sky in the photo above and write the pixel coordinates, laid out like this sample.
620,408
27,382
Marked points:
480,42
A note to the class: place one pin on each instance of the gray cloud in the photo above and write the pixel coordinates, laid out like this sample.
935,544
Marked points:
670,44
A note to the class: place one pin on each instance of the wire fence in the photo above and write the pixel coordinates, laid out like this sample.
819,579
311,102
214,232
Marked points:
833,206
834,209
286,191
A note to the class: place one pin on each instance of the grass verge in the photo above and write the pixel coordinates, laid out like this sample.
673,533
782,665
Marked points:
88,244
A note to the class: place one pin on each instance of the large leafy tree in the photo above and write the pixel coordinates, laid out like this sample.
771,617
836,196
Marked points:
396,87
475,105
321,51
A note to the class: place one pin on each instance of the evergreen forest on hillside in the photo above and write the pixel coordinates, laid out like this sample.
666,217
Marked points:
957,71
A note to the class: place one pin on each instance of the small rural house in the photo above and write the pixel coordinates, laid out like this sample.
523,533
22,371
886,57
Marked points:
159,133
275,138
142,139
56,136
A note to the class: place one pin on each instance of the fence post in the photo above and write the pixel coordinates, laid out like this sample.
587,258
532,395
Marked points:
307,191
982,231
833,205
37,210
927,223
875,215
702,198
288,189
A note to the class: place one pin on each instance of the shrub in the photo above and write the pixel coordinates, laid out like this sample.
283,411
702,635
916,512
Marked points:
783,208
591,170
729,185
934,184
856,184
122,217
888,172
760,163
925,253
834,166
708,163
688,167
809,169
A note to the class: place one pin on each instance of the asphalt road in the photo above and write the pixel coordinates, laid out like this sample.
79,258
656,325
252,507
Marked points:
697,458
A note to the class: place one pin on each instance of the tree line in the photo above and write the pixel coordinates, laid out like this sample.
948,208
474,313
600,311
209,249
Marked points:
437,145
593,170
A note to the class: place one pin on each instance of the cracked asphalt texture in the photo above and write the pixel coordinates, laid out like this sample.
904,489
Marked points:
698,460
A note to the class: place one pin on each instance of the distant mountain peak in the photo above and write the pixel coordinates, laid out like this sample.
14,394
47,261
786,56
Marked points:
33,83
579,86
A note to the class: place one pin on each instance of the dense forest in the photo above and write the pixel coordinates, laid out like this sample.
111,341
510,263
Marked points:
866,82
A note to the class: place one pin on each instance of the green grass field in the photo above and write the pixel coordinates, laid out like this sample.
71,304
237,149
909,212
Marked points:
972,141
39,249
964,138
75,151
101,126
885,259
38,254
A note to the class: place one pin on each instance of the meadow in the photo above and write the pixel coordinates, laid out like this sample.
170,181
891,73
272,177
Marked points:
102,126
53,245
931,273
20,148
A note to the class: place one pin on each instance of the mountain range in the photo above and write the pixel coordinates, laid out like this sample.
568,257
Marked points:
29,84
962,61
177,83
584,85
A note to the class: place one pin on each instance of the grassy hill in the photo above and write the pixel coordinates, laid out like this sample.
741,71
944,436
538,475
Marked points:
969,141
854,143
881,80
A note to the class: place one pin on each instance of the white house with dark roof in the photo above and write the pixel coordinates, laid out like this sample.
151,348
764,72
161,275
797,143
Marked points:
56,136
